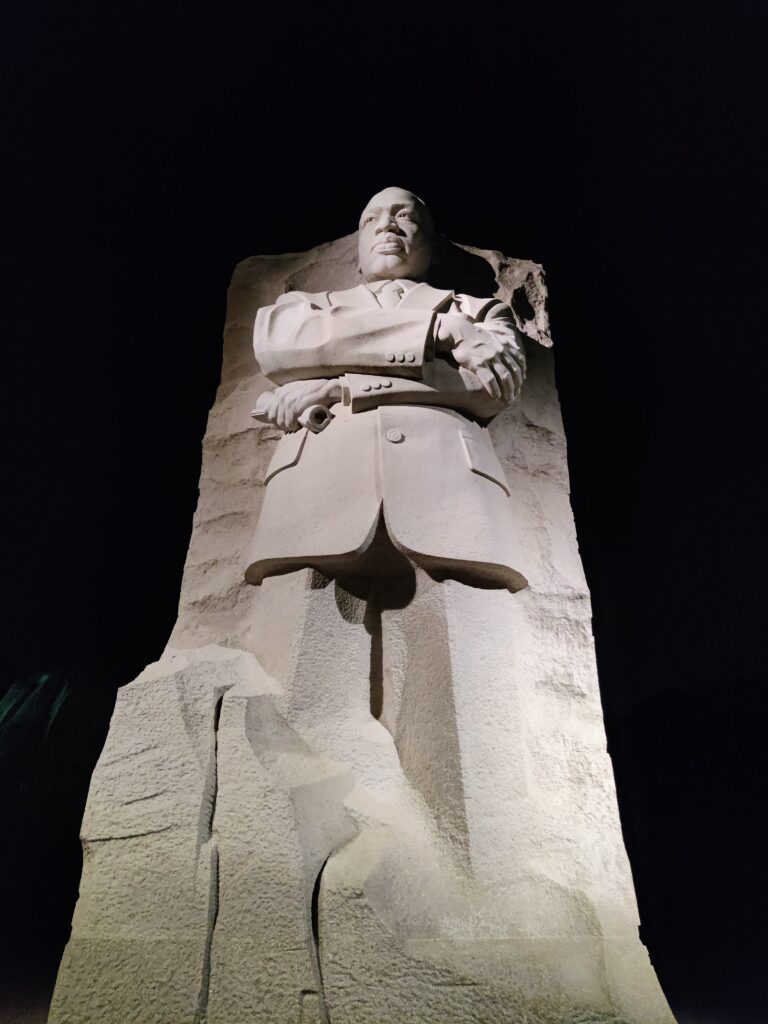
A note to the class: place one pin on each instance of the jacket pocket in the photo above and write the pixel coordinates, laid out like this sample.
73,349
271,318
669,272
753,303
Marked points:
287,453
482,460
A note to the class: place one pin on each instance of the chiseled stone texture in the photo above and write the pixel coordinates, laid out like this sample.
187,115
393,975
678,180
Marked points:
259,847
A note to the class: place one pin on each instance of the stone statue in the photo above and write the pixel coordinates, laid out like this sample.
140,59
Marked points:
369,785
412,374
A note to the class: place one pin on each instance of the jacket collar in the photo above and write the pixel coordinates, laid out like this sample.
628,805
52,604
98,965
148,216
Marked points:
421,296
424,296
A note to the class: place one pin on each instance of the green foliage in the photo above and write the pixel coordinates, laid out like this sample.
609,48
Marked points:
28,712
52,728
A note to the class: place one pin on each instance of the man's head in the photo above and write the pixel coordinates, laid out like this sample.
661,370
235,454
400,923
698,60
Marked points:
395,239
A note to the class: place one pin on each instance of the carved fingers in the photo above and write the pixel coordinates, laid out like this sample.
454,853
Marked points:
261,410
505,378
283,406
492,360
265,410
450,330
288,407
514,363
489,381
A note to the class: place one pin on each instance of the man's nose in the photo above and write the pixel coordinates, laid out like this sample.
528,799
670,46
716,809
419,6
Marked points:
388,222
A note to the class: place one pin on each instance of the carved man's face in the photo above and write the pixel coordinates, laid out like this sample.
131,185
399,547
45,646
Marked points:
395,237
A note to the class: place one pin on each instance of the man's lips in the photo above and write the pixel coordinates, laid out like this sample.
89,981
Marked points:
386,245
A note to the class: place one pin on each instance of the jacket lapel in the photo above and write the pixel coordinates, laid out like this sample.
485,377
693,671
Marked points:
424,296
358,298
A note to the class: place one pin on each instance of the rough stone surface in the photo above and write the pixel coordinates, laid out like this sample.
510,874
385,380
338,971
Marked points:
259,846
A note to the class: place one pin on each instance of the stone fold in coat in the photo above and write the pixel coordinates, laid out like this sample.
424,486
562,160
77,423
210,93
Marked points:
407,440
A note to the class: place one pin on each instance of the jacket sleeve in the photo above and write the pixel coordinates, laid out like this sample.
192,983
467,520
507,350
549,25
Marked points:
298,339
442,383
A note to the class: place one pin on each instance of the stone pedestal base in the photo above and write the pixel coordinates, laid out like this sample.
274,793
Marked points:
371,822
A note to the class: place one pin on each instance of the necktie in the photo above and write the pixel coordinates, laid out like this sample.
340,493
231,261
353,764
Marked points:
389,296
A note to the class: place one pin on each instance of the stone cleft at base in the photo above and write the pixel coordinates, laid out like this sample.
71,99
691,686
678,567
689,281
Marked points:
235,871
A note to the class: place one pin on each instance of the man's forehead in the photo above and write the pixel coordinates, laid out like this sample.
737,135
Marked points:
390,197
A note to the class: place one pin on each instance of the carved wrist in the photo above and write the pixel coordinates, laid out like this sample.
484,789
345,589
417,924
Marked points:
441,346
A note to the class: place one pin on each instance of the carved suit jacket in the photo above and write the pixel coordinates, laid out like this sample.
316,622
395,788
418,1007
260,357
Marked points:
408,438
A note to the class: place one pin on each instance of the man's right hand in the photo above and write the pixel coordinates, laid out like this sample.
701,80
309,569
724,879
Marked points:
283,406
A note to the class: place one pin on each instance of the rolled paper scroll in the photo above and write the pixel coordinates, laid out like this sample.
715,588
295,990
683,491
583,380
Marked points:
315,418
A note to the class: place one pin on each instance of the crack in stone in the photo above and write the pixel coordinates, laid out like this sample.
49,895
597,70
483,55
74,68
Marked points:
201,1012
206,838
129,754
322,1012
131,835
141,799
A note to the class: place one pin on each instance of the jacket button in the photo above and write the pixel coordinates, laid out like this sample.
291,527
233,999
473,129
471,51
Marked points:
366,387
400,357
377,385
387,384
390,357
395,436
410,357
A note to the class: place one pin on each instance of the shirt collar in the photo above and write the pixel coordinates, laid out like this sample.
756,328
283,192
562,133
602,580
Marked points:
401,282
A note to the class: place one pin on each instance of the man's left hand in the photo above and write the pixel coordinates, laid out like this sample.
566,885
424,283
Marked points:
483,352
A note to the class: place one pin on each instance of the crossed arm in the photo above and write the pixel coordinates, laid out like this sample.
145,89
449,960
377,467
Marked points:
308,351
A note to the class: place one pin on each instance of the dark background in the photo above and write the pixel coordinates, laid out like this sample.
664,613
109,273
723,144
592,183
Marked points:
149,148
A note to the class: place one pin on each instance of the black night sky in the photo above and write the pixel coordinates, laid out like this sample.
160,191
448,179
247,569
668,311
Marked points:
149,147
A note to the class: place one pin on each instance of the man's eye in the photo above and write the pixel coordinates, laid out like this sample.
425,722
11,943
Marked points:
405,215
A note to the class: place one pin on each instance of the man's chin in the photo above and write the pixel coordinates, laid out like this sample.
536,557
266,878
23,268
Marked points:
388,265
